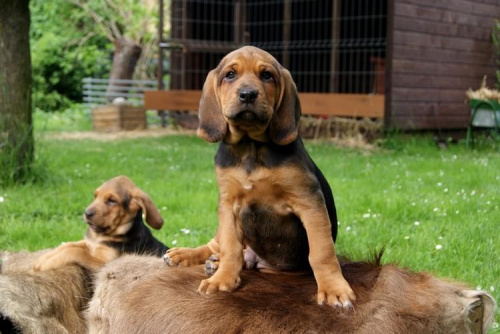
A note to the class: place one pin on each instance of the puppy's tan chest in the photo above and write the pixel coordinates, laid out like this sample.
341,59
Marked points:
278,188
99,250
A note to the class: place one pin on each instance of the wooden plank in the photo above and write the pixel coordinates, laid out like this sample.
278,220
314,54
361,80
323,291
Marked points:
118,117
437,82
430,115
444,29
426,94
462,6
461,109
444,109
353,105
428,123
441,15
388,64
430,54
334,54
437,68
172,99
489,2
440,42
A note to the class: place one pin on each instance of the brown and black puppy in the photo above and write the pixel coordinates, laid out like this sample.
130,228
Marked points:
272,197
115,227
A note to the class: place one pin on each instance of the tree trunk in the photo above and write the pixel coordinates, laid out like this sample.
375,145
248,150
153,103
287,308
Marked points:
16,131
125,58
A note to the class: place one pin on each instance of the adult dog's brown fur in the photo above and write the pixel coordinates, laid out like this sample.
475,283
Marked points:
272,197
46,302
115,227
138,295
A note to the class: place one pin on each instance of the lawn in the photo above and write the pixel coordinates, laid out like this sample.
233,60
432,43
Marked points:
433,210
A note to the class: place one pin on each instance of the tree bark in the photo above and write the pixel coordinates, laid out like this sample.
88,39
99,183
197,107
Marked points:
16,130
125,58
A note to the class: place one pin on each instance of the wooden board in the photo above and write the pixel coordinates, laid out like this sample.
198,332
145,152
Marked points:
443,29
351,105
418,53
438,50
111,118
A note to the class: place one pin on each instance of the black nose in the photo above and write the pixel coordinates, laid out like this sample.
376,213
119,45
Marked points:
89,213
248,95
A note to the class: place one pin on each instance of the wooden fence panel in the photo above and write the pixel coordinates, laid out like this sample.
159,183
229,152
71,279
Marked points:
439,50
353,105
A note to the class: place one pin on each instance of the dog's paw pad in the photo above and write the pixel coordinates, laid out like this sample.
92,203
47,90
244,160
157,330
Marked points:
211,267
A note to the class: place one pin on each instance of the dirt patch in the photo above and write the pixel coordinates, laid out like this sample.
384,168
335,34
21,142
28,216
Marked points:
107,136
362,133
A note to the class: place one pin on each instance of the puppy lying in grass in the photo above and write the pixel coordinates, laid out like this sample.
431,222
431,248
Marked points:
115,220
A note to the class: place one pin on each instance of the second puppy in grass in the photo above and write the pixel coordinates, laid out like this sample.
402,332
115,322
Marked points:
115,220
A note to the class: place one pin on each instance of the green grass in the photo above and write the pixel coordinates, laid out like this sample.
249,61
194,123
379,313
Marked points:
433,210
77,118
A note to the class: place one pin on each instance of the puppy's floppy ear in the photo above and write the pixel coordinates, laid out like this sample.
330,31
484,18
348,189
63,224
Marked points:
149,210
213,126
284,126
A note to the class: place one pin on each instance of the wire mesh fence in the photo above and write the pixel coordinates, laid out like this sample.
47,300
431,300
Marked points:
330,46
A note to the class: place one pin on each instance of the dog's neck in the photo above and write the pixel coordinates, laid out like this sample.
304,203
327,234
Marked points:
123,230
133,226
251,153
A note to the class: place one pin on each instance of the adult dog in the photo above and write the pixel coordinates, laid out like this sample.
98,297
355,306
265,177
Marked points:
115,227
273,199
136,294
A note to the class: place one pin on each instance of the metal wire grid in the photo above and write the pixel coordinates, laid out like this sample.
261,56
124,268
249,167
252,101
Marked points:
333,46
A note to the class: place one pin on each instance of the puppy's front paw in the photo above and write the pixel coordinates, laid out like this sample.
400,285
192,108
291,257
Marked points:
37,267
43,266
180,257
219,283
336,292
43,262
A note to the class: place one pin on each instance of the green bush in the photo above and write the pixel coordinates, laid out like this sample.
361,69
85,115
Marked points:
65,49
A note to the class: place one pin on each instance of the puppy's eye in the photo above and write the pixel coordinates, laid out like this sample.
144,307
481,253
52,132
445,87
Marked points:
111,201
230,75
266,76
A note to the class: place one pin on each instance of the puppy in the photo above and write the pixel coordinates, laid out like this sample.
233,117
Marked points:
273,199
115,227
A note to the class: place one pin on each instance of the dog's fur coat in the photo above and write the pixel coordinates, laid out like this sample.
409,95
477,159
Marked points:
139,295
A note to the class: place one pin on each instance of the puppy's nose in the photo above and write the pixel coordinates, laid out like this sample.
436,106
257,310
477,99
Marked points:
89,213
248,95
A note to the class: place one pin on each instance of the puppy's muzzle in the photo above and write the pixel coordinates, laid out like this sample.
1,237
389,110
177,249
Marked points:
247,95
245,116
89,213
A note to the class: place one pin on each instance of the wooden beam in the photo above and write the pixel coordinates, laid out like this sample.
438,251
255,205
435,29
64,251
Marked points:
287,30
160,51
350,105
172,99
334,55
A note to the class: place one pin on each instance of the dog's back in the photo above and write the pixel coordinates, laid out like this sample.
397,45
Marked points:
46,302
389,300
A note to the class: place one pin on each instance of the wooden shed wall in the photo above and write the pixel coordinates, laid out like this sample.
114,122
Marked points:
438,49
